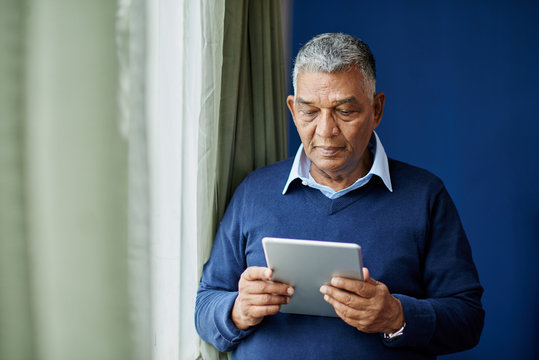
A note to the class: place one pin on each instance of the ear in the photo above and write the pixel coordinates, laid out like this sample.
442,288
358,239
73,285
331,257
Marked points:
378,103
290,103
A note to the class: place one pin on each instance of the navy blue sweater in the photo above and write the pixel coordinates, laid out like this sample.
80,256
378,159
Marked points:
412,240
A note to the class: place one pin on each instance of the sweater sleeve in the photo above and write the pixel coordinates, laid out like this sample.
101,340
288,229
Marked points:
219,284
450,317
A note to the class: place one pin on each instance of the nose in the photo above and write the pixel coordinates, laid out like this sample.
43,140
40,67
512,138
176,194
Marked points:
327,126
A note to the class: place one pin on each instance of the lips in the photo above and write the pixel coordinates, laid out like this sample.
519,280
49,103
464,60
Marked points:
328,150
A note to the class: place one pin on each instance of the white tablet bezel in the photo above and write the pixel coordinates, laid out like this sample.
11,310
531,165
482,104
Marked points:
307,265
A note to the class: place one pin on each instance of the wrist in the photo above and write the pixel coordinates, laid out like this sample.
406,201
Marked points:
236,317
398,321
397,327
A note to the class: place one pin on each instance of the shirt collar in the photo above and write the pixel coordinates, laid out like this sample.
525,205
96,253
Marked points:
380,167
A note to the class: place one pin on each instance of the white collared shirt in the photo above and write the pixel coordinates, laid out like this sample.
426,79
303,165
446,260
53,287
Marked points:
301,170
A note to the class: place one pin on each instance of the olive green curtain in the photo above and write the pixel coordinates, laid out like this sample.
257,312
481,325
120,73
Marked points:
250,128
63,184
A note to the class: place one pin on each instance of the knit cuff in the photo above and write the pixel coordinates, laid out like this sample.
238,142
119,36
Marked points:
420,323
224,323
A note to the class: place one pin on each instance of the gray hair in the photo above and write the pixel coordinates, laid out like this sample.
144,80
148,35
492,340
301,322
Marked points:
333,53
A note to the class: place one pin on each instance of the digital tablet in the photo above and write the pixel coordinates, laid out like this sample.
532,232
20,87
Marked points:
307,265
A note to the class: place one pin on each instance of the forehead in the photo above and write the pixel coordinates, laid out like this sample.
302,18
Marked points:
330,86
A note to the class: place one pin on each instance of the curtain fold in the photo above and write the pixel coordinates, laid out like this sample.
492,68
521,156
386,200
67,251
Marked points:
252,127
16,321
131,43
212,21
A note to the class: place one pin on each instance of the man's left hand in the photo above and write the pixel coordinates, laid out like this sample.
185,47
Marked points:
366,305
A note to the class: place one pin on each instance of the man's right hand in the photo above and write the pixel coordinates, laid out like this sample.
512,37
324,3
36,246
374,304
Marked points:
258,296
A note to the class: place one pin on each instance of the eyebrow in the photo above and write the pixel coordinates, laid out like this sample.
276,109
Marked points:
351,99
346,101
302,101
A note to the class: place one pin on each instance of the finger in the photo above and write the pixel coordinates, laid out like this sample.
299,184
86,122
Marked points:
263,310
361,288
343,297
245,316
257,273
265,287
367,277
345,312
366,274
360,318
266,299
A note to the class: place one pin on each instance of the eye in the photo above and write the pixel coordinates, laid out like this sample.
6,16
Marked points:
308,114
346,113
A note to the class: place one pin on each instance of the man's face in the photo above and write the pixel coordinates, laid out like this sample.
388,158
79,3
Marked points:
335,119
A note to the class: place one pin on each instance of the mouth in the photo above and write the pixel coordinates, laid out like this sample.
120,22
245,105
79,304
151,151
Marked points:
328,150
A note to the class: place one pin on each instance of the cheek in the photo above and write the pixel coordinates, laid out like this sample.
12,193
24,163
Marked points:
356,138
305,132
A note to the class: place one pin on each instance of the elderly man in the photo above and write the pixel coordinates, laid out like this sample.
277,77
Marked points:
341,186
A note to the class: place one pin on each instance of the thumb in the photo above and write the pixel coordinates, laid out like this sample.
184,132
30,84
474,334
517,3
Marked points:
367,277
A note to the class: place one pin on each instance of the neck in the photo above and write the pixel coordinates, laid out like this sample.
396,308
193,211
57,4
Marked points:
339,180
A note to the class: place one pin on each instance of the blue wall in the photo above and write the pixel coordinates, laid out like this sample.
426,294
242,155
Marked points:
462,91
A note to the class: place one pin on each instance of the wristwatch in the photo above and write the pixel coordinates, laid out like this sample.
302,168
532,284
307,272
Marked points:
394,335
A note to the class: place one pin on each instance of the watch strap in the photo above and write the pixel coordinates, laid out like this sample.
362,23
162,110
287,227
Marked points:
395,335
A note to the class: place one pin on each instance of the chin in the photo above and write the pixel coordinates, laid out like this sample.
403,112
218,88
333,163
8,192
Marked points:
328,166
